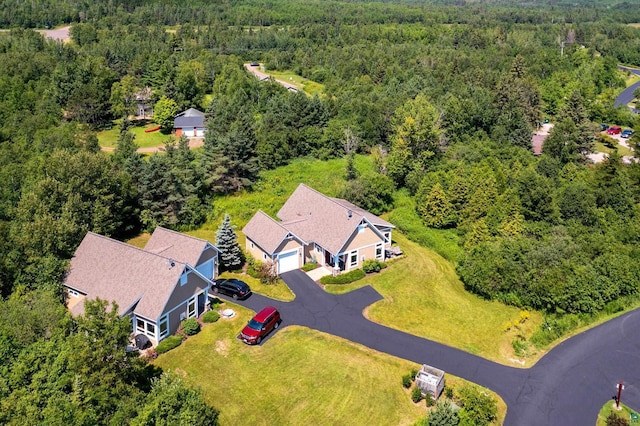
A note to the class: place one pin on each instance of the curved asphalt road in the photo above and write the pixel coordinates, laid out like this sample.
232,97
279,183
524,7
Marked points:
626,95
566,387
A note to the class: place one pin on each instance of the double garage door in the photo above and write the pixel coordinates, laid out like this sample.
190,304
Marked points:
288,261
193,131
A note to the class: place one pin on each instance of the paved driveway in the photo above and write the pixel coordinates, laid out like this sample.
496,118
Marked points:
567,387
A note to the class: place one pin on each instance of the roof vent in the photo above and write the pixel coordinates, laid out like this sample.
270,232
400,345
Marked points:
171,263
350,214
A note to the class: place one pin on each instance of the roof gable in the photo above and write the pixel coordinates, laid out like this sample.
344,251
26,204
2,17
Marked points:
115,271
189,118
265,232
175,245
328,221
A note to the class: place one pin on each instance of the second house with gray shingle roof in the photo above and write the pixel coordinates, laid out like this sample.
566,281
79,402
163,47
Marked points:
332,231
157,287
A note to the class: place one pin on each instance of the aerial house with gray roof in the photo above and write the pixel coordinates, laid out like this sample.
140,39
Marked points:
190,123
332,231
157,287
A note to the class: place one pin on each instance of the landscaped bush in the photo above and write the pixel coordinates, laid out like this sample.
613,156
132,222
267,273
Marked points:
169,343
310,266
211,316
416,394
252,267
406,381
448,392
414,373
347,278
190,326
429,400
373,265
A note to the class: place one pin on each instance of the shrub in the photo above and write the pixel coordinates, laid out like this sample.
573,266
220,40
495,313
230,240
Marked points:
309,266
479,408
211,316
416,394
448,392
429,400
169,343
414,373
267,273
519,346
190,326
252,267
347,278
406,381
373,265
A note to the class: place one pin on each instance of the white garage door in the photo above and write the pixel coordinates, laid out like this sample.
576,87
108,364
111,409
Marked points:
199,132
189,131
287,261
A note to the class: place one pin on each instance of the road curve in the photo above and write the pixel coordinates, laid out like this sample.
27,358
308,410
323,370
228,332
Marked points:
626,95
566,387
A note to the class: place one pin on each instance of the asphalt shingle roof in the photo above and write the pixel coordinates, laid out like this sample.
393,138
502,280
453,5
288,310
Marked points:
189,118
265,232
115,271
312,216
175,245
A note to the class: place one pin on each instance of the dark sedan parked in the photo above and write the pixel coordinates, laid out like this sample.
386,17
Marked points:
232,287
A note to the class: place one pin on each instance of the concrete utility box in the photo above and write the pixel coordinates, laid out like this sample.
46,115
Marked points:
430,380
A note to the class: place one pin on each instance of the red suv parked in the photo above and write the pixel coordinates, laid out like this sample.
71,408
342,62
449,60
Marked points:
260,325
614,130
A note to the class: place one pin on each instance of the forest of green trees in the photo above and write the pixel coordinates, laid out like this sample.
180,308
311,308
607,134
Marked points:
445,95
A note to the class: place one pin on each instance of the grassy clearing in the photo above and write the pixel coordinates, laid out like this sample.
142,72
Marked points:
423,296
299,376
622,150
109,138
308,86
275,186
624,412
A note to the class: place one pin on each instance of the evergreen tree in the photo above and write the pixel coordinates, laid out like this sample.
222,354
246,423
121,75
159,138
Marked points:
443,415
436,210
231,256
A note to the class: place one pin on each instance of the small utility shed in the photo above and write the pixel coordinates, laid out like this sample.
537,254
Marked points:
430,380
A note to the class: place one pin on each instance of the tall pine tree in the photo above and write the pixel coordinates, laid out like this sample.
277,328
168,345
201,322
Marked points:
231,256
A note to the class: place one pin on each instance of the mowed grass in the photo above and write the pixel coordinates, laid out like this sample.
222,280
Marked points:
607,408
424,296
298,376
308,86
622,150
109,138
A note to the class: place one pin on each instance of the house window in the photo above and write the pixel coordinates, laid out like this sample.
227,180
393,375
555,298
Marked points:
140,325
353,258
151,329
183,279
251,245
73,293
379,252
264,256
164,326
191,308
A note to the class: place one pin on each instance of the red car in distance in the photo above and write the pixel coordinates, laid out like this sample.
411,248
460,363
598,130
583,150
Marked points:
614,130
260,325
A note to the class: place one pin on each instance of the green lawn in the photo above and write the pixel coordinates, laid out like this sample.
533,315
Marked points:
306,85
423,296
622,150
607,408
109,138
299,376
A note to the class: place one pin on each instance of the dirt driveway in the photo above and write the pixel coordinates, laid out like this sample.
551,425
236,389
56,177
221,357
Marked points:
60,34
193,143
255,70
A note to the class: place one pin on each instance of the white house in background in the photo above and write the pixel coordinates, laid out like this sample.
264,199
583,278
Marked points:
312,226
157,287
